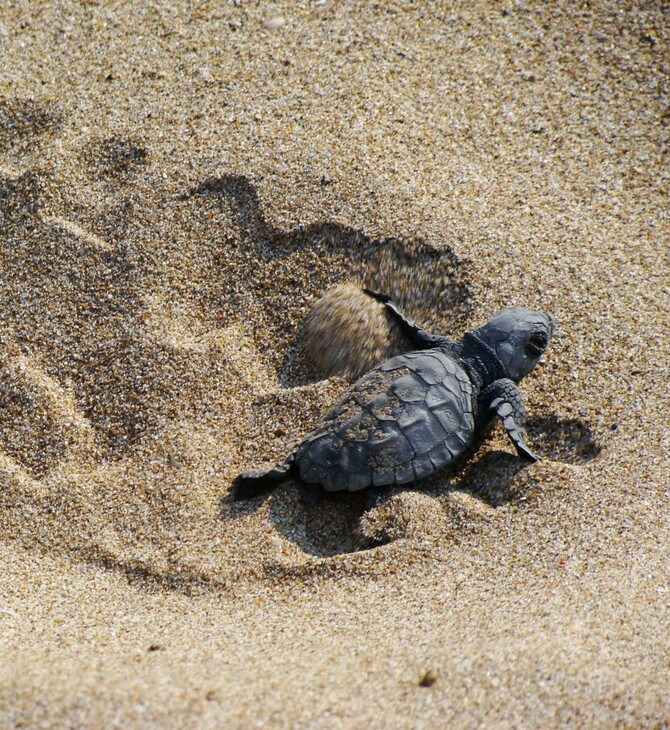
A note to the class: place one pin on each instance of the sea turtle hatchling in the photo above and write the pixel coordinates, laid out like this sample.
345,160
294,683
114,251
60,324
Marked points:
417,412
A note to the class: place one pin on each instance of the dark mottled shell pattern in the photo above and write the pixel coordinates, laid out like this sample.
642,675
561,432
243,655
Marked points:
402,421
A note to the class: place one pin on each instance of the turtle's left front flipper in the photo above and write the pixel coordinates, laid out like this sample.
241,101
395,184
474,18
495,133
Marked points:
421,339
503,398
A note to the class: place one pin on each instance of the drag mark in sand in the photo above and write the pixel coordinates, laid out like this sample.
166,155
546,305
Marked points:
76,230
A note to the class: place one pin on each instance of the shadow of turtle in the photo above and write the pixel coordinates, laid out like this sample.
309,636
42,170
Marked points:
492,477
321,527
331,526
569,440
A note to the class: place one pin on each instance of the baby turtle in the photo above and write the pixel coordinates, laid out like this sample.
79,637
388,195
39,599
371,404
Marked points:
418,412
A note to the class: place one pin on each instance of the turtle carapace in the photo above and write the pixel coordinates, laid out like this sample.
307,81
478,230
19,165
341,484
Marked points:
418,412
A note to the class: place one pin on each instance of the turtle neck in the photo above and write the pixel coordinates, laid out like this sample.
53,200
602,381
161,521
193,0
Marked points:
480,362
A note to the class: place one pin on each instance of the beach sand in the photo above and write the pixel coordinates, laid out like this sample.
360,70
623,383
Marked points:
179,183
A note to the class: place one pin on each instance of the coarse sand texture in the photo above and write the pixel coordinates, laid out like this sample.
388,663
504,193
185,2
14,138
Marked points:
192,196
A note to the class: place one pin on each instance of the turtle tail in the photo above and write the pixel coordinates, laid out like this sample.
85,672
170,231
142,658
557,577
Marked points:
250,484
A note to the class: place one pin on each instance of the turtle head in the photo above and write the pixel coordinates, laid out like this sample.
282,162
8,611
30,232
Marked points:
519,338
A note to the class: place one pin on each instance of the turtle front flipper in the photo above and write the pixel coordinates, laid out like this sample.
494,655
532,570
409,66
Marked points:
503,398
421,339
250,484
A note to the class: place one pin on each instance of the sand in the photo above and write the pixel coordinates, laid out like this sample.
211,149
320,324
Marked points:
179,183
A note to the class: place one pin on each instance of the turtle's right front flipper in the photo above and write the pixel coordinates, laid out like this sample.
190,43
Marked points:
503,398
250,484
421,339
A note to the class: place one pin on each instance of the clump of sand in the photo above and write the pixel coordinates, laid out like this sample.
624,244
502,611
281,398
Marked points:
348,333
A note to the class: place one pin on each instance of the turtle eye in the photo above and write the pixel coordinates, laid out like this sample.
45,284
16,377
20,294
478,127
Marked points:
537,344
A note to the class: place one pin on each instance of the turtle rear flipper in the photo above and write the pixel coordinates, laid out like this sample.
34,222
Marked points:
250,484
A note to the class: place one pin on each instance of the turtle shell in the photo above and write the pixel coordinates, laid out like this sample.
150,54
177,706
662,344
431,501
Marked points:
409,416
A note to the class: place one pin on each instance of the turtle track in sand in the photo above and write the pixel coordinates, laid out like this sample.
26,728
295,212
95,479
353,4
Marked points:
136,380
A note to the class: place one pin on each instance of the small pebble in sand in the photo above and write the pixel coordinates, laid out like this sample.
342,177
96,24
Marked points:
274,23
429,678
